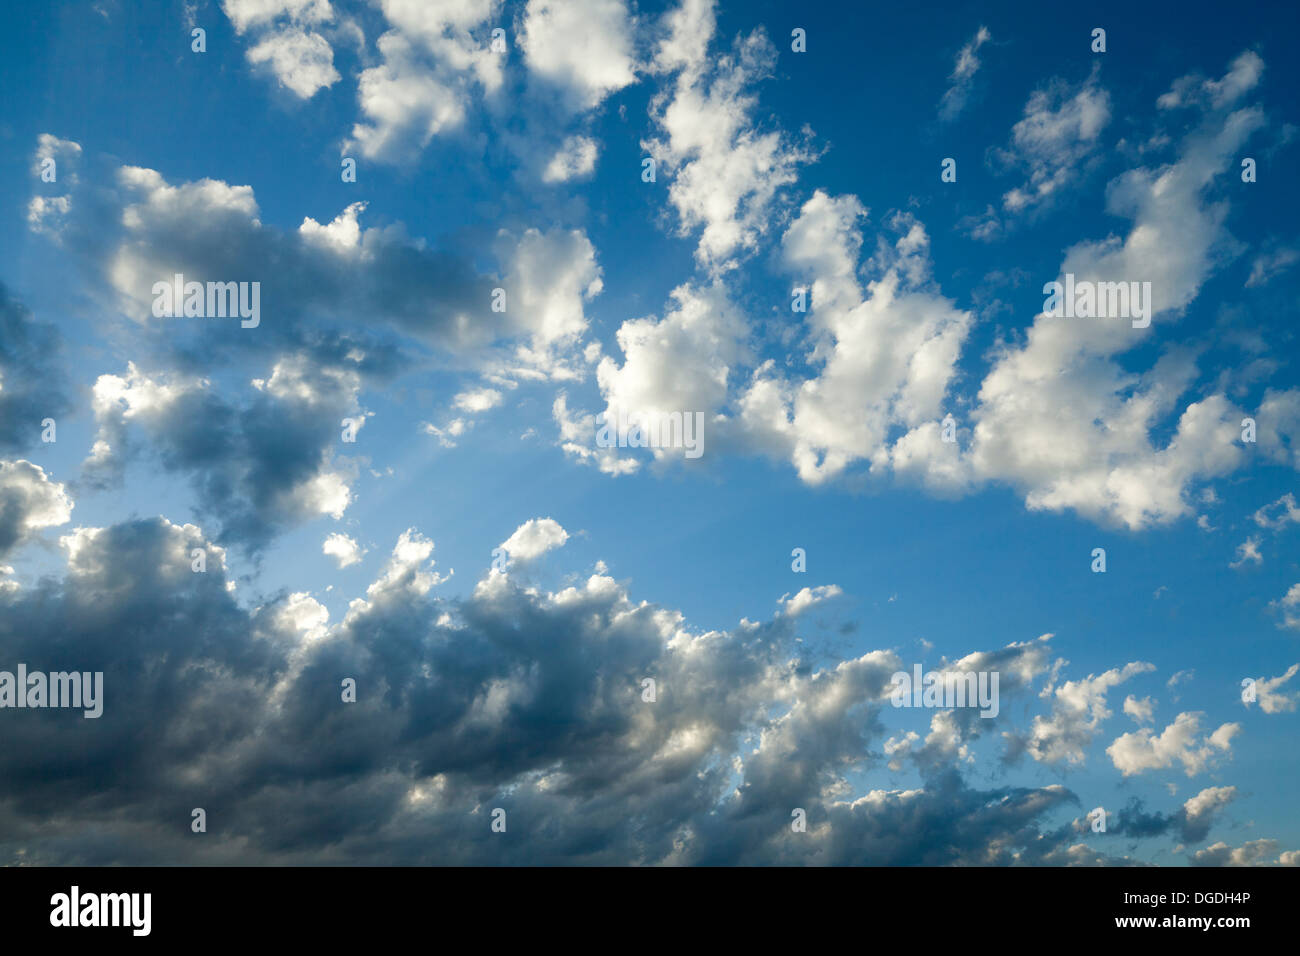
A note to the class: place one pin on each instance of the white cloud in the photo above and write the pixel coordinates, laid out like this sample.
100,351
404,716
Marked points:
1208,802
549,277
432,67
1142,750
680,363
887,355
808,597
725,172
1139,710
1078,711
1059,130
288,41
582,46
575,159
477,400
1100,460
343,549
1248,550
1272,701
963,73
534,538
1278,514
1195,90
1251,853
1289,604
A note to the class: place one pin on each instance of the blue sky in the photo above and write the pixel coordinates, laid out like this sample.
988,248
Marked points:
522,169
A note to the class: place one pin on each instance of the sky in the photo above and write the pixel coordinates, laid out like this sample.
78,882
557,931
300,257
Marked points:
383,571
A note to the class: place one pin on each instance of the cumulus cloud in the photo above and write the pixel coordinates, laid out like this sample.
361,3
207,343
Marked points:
575,159
145,230
725,171
1191,822
29,502
1251,853
288,40
534,538
432,67
342,549
256,468
1140,710
1078,710
582,47
1179,743
1101,460
509,697
886,353
808,597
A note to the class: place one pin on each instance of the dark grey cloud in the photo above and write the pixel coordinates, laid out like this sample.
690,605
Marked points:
1191,822
32,381
509,698
256,467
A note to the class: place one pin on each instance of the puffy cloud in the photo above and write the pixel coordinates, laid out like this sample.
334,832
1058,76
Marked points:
678,364
1100,460
288,41
257,468
1278,431
726,172
29,501
432,65
887,355
1078,711
550,275
1140,710
325,275
583,47
1143,750
1199,811
963,75
808,597
477,400
534,538
509,697
1250,853
342,549
575,159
